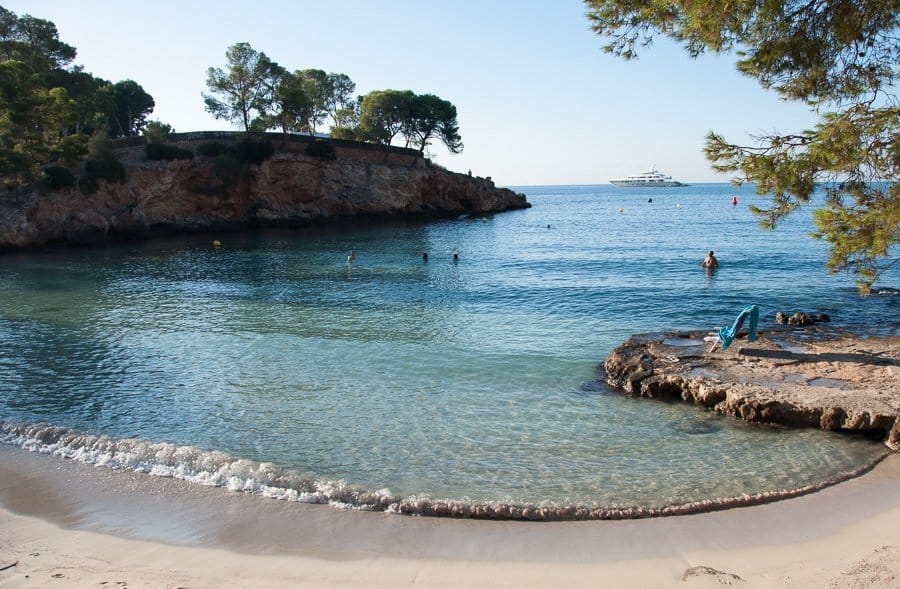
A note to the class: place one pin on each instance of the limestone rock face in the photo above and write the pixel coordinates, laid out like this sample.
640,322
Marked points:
290,189
844,383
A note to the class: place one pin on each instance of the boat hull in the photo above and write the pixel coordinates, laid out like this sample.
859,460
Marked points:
646,184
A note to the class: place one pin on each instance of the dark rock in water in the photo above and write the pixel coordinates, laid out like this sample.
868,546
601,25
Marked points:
800,319
695,427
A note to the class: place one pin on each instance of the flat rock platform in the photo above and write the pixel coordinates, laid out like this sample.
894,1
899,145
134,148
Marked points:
802,378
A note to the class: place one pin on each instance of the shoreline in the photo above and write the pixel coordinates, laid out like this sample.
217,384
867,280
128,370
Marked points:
72,525
258,480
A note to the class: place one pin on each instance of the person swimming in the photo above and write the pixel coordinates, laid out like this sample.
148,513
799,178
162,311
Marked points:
710,263
351,257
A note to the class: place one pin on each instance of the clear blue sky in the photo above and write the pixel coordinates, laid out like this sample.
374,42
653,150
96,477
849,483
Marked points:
538,101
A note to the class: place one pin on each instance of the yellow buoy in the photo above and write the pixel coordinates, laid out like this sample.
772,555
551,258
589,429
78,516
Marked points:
217,243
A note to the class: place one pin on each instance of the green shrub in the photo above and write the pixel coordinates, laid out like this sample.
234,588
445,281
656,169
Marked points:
250,151
166,152
57,177
212,148
322,149
99,147
157,131
109,170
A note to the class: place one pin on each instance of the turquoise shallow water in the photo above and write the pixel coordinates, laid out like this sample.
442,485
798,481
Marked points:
271,365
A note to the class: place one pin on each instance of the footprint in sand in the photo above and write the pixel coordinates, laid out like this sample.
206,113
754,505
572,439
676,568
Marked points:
704,574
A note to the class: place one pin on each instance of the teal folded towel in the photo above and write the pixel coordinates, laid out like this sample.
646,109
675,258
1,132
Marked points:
727,334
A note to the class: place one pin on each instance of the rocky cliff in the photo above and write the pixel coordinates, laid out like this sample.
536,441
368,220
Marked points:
288,190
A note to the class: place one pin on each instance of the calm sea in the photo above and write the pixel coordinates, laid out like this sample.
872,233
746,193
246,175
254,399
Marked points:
271,365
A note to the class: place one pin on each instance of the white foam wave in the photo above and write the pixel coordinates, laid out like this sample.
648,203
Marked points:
264,479
188,463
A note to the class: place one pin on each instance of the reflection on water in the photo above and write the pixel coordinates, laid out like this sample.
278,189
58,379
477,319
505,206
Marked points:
469,380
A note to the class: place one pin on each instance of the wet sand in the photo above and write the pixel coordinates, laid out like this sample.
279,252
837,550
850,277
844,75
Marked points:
64,524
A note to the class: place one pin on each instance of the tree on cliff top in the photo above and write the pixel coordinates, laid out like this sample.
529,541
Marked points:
339,102
48,107
33,112
839,57
304,99
246,86
434,118
132,106
94,103
291,105
31,117
385,114
33,41
317,87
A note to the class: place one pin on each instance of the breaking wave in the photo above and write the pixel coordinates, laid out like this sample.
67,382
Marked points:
219,469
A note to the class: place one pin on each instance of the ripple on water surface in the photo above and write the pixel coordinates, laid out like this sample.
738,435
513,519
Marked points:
273,366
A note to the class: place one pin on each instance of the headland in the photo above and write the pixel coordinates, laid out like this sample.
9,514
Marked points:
354,182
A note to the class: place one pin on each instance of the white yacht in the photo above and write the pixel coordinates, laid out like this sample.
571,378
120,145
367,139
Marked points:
650,178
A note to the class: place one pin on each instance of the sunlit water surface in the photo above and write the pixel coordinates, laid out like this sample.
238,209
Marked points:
271,365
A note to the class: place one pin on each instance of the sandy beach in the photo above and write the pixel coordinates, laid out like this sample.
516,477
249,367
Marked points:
65,524
335,312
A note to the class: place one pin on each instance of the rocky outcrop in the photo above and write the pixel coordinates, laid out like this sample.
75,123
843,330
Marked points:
800,319
845,383
288,190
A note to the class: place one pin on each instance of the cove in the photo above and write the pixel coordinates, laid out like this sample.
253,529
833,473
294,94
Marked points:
271,365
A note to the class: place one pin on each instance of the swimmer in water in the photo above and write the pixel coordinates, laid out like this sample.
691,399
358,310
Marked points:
351,257
710,263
